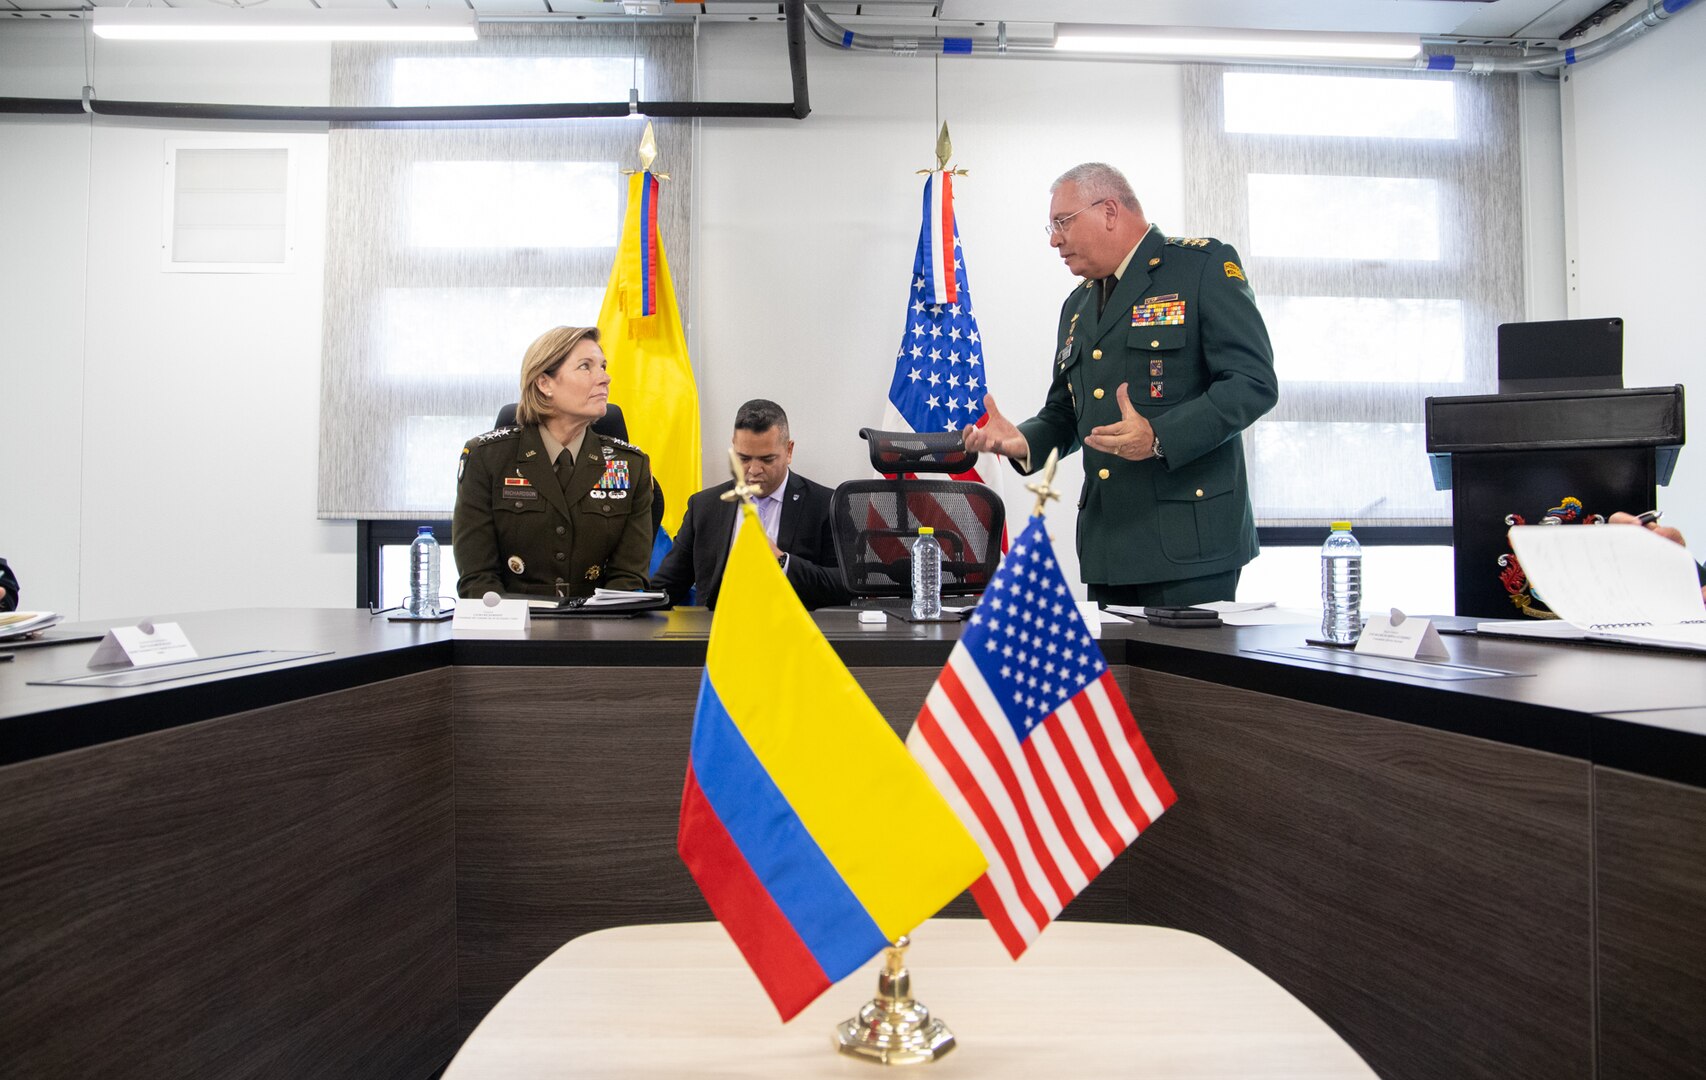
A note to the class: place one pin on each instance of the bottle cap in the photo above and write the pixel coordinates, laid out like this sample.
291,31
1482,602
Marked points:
424,530
926,530
1345,525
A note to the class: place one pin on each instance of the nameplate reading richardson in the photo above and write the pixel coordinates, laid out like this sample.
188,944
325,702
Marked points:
184,669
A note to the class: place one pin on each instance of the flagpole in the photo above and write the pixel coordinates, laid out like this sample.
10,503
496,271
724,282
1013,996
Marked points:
1044,488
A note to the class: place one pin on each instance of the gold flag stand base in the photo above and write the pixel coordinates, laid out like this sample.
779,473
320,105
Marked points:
893,1029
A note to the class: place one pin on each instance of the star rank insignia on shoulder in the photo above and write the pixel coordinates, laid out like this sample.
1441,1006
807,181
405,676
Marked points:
1192,241
611,440
495,434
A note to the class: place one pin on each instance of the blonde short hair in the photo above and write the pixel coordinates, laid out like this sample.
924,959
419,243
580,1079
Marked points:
544,357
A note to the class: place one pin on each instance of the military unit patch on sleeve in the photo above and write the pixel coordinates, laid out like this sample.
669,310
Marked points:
1233,270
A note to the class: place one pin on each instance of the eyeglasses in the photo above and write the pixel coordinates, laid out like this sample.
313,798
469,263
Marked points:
1058,225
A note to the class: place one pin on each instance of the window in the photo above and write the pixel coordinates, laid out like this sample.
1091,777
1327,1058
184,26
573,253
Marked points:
452,246
1377,216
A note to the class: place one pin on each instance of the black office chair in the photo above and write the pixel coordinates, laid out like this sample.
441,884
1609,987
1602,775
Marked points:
875,521
613,424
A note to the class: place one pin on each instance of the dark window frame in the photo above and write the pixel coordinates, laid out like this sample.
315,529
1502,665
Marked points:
373,534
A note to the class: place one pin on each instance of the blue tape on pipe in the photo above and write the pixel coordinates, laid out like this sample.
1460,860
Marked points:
957,45
1673,6
1442,63
847,39
1569,56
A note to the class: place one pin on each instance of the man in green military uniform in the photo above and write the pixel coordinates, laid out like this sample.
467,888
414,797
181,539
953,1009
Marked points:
1162,361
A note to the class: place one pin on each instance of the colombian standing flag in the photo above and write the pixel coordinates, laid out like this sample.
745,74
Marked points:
640,328
814,835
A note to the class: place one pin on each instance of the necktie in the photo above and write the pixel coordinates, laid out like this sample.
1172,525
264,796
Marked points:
1108,285
565,467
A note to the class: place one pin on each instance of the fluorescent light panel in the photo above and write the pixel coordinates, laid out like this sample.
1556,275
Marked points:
1203,41
217,24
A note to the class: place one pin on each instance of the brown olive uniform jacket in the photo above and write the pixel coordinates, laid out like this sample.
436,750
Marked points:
519,529
1182,330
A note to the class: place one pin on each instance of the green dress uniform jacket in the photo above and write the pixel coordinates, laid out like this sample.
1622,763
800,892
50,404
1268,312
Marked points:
1182,330
518,529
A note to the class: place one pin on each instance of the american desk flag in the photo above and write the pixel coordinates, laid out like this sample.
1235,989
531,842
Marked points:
1028,736
815,838
939,380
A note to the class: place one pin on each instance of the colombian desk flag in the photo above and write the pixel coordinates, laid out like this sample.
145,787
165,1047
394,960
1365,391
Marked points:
640,328
813,834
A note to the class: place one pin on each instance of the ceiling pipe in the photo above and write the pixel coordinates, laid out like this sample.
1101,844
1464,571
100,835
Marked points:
836,36
797,109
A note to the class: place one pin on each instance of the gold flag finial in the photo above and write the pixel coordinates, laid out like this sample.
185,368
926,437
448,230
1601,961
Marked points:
648,153
944,147
1044,488
743,491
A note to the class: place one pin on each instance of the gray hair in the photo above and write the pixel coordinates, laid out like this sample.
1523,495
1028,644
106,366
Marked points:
1097,181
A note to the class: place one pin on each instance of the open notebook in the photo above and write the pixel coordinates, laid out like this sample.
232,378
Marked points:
1610,582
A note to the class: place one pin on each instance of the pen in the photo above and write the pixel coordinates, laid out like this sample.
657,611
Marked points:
1650,517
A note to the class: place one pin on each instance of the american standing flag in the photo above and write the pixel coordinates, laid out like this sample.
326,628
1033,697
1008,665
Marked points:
1028,737
938,382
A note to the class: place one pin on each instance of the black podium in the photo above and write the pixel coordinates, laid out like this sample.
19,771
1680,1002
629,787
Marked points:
1524,453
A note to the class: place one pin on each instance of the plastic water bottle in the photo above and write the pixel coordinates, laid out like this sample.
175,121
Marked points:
423,574
926,575
1341,586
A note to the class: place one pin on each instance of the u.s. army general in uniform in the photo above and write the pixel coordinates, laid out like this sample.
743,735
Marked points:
1161,362
549,507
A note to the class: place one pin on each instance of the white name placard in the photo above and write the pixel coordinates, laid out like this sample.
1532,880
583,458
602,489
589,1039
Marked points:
143,644
1400,636
490,612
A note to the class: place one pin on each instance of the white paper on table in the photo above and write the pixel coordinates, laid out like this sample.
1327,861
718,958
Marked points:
142,645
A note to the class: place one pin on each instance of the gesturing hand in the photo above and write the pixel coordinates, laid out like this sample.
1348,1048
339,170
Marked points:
998,435
1132,438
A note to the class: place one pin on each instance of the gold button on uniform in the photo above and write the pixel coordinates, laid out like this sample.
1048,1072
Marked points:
1096,354
1154,344
1103,474
1199,493
1098,393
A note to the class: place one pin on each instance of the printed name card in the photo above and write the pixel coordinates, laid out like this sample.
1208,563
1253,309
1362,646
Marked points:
143,644
490,612
1401,637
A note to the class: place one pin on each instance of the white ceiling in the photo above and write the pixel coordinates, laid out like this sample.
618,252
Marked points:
1530,19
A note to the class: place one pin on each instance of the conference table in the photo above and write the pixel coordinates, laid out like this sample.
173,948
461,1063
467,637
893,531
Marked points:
337,865
1087,1000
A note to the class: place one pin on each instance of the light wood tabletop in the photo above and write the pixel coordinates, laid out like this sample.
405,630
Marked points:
1087,1000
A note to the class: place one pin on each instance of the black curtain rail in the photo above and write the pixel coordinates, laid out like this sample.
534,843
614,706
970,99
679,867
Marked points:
356,114
798,109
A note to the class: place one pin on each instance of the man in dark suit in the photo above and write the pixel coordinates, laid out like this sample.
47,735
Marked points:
1161,362
794,510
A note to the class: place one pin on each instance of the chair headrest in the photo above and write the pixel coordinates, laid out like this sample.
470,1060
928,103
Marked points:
910,452
612,423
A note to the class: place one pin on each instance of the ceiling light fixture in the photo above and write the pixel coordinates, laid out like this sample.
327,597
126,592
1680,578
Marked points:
1181,41
249,24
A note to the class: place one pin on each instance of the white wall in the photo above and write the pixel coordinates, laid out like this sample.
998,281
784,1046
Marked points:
161,428
158,423
806,232
1635,152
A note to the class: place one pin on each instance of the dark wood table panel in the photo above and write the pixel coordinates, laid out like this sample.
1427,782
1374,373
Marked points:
266,894
568,793
1650,843
1426,893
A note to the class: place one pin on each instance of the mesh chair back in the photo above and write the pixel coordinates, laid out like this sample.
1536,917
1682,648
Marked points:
875,522
910,452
